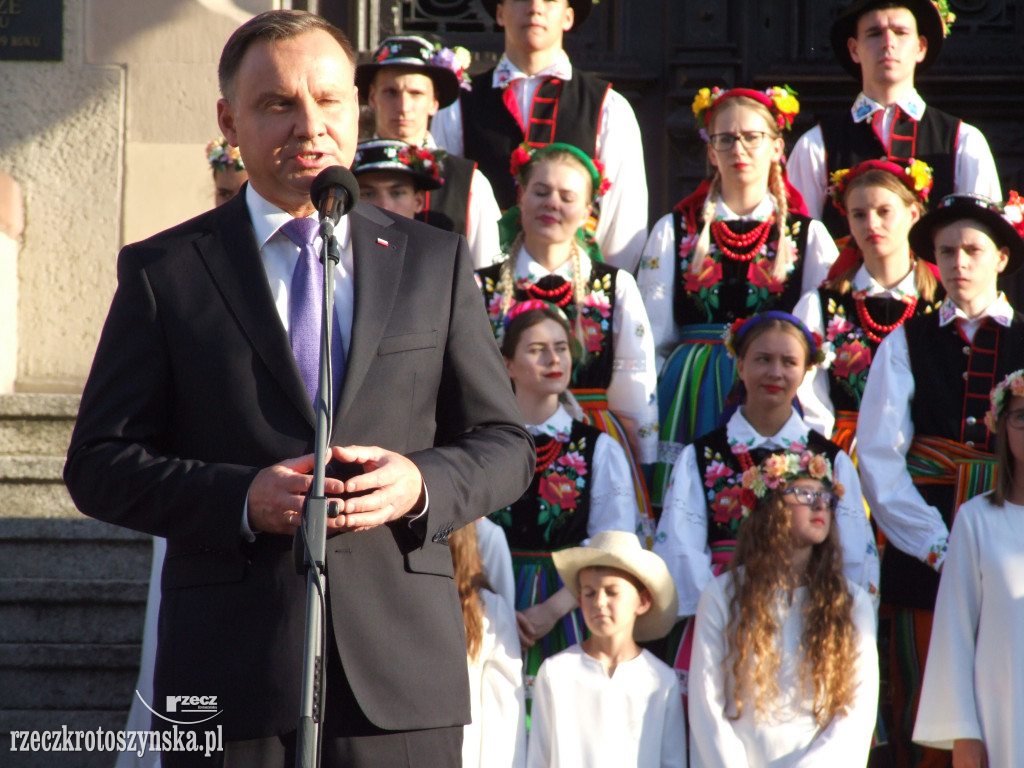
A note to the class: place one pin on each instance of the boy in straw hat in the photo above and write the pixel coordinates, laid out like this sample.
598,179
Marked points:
884,44
923,444
606,701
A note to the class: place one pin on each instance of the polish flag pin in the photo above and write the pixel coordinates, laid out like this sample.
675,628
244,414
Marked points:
381,241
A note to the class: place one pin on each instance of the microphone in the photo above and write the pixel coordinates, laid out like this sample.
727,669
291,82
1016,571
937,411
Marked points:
334,192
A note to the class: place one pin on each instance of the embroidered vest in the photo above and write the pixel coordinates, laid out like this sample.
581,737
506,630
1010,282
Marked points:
727,289
932,139
952,381
721,473
447,208
853,348
555,510
594,371
562,111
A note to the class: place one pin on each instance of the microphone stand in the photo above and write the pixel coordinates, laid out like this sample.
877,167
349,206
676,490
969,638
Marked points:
313,529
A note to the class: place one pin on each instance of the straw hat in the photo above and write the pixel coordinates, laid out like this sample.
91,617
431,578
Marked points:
622,550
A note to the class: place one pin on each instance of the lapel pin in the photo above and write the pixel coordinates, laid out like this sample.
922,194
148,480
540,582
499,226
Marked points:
381,241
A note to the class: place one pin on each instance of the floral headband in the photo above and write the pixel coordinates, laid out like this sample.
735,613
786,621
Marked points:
779,470
522,307
781,101
222,156
740,328
1011,386
525,154
915,175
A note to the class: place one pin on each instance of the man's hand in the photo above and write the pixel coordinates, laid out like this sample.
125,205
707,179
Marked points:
276,495
969,753
394,483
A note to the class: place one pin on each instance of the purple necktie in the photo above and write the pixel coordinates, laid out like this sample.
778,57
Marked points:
305,302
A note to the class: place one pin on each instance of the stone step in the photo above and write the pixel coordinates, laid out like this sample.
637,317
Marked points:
93,676
73,549
31,486
36,424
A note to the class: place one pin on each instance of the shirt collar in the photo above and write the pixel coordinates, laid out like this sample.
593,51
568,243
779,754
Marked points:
741,433
763,210
864,107
907,287
557,425
267,219
999,310
506,72
530,269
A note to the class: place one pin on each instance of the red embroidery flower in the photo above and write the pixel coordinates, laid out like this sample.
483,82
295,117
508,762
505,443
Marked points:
709,275
851,358
728,504
760,274
592,334
559,491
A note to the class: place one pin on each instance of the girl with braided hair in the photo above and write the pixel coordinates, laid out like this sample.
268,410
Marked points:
740,244
784,670
553,258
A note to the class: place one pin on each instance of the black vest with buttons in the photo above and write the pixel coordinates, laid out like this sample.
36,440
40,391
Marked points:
952,381
447,208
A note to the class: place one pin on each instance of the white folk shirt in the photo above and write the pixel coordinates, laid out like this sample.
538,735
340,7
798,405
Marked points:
682,539
974,171
814,395
632,391
622,227
885,432
656,276
789,737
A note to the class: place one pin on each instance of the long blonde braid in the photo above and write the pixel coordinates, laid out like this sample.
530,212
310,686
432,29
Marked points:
700,250
784,253
507,276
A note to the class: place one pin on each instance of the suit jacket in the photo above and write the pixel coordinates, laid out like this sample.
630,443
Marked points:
194,389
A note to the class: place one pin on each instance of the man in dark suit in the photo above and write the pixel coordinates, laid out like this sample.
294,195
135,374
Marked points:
196,425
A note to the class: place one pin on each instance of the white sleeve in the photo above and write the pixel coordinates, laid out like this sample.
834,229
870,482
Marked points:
819,256
808,171
846,740
632,391
714,742
819,413
682,537
860,555
656,281
884,435
496,558
673,730
483,222
948,708
502,707
622,226
446,128
613,505
975,170
540,744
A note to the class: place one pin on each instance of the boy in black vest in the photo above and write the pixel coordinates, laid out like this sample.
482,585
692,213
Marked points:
409,79
883,44
921,436
535,95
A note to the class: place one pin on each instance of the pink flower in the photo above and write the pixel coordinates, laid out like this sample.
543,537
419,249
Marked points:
716,471
836,326
494,308
817,466
797,447
574,461
599,301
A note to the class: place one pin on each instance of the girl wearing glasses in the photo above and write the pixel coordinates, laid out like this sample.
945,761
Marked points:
738,245
973,695
703,509
875,285
785,669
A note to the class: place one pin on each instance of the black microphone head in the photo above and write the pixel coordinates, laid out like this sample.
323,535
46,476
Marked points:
334,192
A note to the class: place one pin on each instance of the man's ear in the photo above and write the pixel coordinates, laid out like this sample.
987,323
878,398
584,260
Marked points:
421,199
226,121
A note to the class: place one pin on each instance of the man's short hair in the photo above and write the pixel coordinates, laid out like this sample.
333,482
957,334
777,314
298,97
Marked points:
272,26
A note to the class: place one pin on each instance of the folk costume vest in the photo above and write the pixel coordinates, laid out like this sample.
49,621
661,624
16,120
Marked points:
447,208
950,457
931,139
567,111
555,510
594,371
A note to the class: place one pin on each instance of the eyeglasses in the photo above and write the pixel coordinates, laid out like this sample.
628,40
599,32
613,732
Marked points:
1015,419
723,142
811,498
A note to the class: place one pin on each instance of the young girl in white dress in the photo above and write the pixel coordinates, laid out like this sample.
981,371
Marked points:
972,700
785,668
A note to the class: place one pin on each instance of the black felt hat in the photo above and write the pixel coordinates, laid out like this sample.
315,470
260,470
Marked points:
390,155
929,24
411,52
976,208
580,9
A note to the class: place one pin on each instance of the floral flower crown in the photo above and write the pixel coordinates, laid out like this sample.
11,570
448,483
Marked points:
1011,386
781,101
779,470
525,154
521,307
946,16
740,328
222,156
456,59
915,175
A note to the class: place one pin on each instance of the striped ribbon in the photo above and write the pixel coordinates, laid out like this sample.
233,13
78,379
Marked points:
939,461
